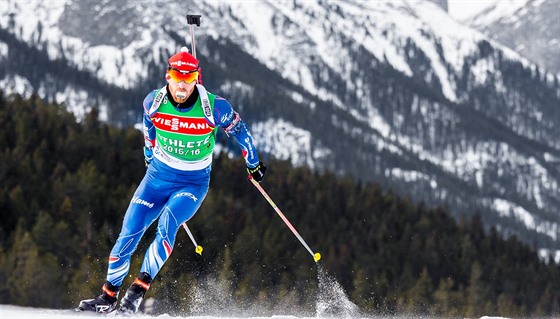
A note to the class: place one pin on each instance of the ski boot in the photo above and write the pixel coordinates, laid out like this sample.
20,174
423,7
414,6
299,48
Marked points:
134,295
104,303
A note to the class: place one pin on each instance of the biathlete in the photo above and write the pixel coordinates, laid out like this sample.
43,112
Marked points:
180,124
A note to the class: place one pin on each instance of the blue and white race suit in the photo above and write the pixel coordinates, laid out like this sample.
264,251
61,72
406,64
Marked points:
171,195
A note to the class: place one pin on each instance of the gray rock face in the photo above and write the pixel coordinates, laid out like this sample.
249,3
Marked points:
105,23
441,3
533,31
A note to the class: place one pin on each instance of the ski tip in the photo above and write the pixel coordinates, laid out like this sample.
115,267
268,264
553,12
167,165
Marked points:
198,250
317,257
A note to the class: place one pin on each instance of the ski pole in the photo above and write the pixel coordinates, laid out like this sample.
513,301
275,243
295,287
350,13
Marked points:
316,256
197,248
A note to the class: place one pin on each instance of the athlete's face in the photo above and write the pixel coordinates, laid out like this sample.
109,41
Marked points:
181,86
181,90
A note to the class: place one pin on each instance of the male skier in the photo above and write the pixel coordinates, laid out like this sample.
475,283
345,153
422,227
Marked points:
180,123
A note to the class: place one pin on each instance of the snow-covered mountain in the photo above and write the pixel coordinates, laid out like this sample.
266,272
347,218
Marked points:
394,92
530,27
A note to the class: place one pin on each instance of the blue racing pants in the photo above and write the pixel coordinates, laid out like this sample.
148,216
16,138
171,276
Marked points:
172,197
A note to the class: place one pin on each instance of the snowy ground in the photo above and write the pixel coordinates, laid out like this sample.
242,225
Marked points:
13,312
332,302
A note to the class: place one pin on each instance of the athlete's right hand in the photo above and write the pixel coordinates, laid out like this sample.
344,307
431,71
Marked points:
148,155
257,172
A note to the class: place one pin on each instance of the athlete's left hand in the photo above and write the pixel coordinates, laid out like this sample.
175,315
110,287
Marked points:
257,172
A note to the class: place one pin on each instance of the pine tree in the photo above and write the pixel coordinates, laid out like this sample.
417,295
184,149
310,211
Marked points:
419,296
30,275
478,300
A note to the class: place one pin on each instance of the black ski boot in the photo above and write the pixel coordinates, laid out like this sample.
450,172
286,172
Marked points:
104,303
134,295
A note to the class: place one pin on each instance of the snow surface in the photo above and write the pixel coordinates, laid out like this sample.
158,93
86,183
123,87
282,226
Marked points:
15,312
213,302
503,9
464,9
12,312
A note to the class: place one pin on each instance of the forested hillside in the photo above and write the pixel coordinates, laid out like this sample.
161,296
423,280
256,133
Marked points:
64,187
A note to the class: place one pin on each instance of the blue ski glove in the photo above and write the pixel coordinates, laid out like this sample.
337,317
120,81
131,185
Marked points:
148,155
257,172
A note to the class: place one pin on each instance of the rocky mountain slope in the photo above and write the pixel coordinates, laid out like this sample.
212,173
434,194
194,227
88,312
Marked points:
530,27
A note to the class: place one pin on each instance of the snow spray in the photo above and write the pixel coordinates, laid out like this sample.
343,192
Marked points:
331,298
